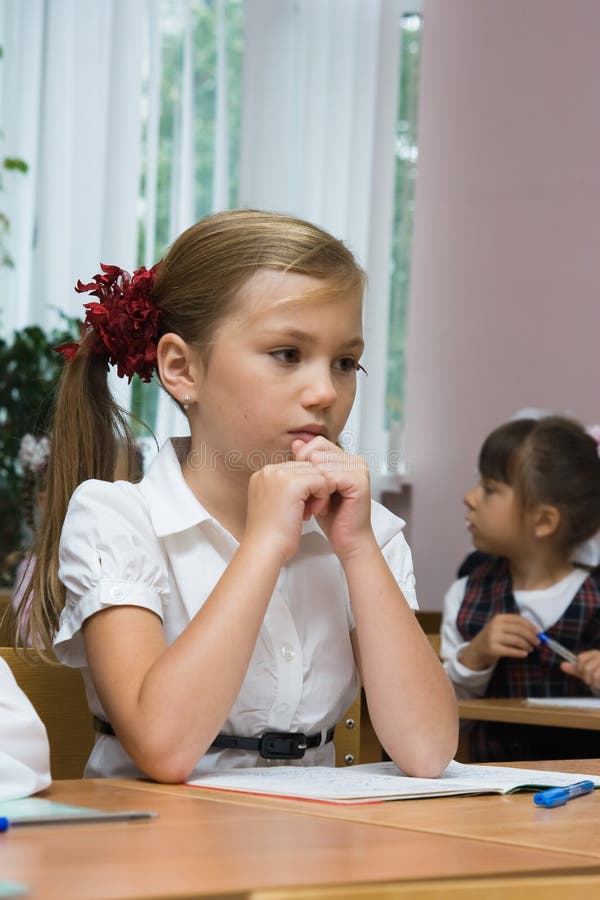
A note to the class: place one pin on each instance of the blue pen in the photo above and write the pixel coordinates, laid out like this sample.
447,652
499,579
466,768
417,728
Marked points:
4,823
558,648
559,796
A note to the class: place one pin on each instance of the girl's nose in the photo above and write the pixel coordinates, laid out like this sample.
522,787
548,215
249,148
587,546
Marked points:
319,390
470,498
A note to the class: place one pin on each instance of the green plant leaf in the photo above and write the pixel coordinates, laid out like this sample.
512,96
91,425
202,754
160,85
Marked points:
14,164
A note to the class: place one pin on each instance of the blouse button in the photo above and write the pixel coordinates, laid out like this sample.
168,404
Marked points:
288,652
116,593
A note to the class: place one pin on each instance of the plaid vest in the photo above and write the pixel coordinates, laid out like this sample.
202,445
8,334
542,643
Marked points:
489,593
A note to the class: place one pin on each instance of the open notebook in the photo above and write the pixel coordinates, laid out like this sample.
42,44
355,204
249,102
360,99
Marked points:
374,782
567,702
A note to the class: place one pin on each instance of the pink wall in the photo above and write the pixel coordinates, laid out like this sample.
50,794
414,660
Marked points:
505,306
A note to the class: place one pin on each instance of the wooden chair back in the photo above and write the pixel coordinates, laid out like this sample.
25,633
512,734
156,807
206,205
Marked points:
431,623
355,738
347,735
435,640
58,695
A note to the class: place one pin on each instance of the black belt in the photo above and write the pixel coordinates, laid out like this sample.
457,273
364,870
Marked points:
270,745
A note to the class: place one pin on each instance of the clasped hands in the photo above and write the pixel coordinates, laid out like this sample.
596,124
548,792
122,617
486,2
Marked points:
323,481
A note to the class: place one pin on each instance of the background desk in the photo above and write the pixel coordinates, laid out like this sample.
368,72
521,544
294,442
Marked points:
208,844
501,710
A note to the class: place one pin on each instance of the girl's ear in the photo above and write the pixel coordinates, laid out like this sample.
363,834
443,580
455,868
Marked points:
178,368
546,520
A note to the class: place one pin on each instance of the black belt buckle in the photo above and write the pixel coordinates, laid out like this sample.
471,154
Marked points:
282,745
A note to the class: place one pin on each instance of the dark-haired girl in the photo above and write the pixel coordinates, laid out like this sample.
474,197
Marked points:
538,498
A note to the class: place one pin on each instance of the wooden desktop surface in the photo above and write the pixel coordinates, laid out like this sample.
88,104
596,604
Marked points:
238,846
512,819
495,709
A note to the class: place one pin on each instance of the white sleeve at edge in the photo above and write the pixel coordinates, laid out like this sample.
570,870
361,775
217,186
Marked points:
24,749
398,556
468,684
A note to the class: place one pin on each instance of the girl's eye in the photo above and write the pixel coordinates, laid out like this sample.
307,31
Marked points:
487,487
348,364
287,355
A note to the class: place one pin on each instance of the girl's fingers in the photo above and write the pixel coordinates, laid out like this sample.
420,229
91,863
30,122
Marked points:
346,470
518,629
316,507
589,667
586,669
516,639
346,473
292,480
520,647
319,486
569,668
315,450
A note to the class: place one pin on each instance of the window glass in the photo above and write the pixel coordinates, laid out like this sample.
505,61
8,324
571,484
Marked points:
212,78
406,170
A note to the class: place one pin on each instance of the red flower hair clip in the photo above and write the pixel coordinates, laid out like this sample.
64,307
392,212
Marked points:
124,318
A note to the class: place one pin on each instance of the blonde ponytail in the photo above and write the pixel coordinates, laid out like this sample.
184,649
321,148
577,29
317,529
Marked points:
88,432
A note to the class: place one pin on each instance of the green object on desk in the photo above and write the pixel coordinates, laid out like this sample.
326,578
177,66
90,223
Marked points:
13,889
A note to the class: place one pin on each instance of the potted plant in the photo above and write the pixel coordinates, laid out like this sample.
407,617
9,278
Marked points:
29,372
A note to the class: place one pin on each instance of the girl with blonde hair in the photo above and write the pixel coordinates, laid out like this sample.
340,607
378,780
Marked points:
222,608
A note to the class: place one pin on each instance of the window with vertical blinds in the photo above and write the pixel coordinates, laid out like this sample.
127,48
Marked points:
191,141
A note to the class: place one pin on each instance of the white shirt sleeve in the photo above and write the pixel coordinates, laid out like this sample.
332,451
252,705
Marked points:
108,556
467,683
388,529
24,749
588,552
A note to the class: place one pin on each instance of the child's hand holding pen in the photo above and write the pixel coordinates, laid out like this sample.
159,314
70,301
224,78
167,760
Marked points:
516,636
504,635
585,666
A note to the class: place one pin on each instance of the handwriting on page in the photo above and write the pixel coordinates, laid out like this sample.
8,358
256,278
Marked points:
376,781
371,780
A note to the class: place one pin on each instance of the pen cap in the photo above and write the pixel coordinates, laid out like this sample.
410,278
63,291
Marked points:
551,798
559,795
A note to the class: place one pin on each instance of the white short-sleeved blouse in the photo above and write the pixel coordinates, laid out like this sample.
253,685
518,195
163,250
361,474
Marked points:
154,545
24,750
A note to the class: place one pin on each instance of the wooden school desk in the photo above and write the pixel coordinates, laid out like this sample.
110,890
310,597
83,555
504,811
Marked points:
209,844
495,709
